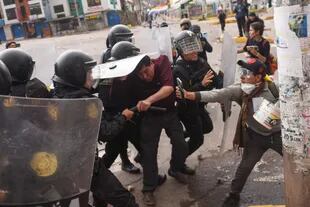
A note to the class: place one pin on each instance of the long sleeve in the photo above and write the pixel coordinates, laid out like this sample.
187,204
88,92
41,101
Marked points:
111,126
224,95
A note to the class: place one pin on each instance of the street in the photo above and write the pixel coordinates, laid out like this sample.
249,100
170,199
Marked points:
214,171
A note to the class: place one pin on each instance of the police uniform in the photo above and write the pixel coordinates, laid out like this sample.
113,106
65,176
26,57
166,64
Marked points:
105,186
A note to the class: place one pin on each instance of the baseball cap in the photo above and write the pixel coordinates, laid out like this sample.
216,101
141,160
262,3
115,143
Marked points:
253,65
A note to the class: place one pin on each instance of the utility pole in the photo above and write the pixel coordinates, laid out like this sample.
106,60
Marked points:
294,77
77,13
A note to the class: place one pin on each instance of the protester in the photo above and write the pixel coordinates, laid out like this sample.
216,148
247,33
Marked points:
250,134
11,44
221,15
252,18
241,10
257,46
153,86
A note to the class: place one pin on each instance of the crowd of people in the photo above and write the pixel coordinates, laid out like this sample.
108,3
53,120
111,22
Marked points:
156,95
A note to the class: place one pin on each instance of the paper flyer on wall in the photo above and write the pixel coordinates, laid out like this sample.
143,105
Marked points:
290,26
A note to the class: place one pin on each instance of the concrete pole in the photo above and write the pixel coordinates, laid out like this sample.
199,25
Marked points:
77,13
295,114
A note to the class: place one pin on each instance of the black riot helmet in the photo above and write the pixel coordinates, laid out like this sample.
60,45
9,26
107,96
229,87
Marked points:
195,28
71,68
19,63
123,50
187,42
119,33
5,79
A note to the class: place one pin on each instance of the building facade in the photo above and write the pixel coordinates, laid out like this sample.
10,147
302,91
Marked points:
101,13
22,19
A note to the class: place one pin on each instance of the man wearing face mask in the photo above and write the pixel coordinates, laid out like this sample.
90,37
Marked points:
250,134
196,75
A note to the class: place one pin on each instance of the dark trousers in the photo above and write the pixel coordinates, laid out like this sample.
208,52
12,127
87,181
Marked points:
222,22
241,26
119,144
106,188
194,128
256,145
151,127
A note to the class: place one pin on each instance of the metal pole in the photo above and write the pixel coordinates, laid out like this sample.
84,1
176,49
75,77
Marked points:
295,109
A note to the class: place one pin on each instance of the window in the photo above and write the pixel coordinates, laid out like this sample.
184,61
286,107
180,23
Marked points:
8,2
61,15
35,9
93,3
59,8
11,14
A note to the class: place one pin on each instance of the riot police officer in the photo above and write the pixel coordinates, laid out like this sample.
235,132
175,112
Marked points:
5,80
115,96
21,65
195,74
116,34
73,79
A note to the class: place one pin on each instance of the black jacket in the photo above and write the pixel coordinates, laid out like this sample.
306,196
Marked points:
111,124
206,46
105,55
33,88
191,75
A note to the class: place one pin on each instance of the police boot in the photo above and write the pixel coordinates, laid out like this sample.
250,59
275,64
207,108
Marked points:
179,176
130,168
232,200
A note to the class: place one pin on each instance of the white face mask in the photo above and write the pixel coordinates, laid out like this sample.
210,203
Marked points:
247,87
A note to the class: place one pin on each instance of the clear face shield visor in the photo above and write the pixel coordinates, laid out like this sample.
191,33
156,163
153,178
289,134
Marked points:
125,37
189,44
245,72
91,78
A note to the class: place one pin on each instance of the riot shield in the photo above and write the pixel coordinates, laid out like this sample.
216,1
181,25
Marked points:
47,148
163,38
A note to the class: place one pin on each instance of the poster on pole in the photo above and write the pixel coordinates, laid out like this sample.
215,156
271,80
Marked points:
293,49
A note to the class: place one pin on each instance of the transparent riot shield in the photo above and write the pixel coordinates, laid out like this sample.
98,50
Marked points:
47,148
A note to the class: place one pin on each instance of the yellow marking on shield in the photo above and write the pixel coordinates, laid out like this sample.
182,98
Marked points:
44,164
9,102
92,111
53,112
